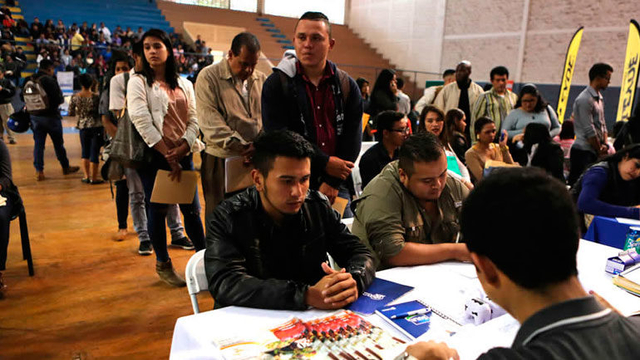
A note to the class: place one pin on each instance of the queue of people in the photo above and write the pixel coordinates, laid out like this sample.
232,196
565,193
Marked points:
427,197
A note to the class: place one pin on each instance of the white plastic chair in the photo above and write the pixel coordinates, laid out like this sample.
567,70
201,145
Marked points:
196,278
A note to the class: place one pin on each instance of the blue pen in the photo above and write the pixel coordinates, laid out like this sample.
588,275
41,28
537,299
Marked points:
411,313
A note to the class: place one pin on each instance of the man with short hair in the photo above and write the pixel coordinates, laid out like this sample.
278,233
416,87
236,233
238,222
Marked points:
267,246
309,95
394,127
430,93
228,101
535,278
589,122
105,31
404,102
461,94
495,103
408,214
49,122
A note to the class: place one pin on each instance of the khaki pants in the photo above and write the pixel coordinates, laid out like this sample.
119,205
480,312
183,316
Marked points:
212,172
5,111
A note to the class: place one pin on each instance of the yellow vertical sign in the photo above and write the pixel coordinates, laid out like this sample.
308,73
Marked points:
567,74
629,83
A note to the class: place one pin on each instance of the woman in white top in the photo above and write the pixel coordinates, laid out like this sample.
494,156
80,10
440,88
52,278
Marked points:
162,107
432,120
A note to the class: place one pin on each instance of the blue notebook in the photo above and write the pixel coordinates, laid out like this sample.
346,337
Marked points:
378,294
413,325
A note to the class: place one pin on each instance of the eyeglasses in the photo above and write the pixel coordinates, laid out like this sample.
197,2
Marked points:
402,131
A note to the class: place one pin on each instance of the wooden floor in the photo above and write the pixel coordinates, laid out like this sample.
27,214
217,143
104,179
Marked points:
91,297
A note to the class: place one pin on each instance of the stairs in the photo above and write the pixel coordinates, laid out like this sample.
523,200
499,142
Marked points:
23,42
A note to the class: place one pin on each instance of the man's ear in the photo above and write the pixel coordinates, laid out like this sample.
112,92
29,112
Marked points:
487,270
332,42
403,176
230,54
258,179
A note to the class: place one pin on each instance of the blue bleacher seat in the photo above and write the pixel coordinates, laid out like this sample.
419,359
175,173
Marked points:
126,13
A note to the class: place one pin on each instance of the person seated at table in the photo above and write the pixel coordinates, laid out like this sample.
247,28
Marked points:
409,213
485,149
394,130
267,246
543,152
534,278
611,187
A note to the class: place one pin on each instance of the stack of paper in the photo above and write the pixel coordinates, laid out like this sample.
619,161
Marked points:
629,280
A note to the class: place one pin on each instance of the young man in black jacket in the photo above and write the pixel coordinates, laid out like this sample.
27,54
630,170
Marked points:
49,122
267,246
7,90
309,95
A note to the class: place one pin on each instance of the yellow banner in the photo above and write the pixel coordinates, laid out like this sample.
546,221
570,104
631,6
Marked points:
630,74
567,74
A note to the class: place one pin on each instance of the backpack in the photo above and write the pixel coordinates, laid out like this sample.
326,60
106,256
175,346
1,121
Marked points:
35,98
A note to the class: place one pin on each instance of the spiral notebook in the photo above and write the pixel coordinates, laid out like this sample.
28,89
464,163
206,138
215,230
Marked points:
414,326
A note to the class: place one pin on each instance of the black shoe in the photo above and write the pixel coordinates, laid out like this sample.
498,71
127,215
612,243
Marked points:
86,180
145,248
183,243
12,142
70,170
96,182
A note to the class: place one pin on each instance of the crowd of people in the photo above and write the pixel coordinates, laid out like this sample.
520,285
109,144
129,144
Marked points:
86,49
430,190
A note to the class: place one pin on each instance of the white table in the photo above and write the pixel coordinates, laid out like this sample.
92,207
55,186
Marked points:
445,282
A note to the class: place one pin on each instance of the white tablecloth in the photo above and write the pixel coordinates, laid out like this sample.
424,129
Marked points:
443,284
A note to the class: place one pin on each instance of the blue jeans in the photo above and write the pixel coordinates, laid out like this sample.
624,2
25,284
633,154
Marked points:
139,212
157,213
43,126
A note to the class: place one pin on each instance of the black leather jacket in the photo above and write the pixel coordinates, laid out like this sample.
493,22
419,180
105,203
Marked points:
252,262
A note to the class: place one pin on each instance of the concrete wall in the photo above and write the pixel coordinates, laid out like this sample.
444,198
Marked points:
530,37
407,32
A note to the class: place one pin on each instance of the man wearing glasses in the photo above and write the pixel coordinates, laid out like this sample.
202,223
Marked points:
408,214
394,130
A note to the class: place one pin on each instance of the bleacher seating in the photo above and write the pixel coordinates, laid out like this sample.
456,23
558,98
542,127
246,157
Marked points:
275,35
133,13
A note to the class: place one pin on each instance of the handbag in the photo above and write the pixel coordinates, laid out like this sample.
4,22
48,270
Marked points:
127,147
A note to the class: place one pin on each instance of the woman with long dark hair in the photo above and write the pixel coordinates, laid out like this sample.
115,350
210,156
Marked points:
161,105
611,187
383,95
543,152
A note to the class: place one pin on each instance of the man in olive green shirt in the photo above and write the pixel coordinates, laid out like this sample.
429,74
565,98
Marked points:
228,102
408,214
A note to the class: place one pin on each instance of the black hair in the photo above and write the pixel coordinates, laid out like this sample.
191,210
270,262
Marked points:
400,82
137,48
448,72
633,151
315,16
532,90
46,64
567,130
535,133
382,83
246,39
387,118
423,147
86,81
480,123
599,70
286,143
171,71
535,246
499,70
361,82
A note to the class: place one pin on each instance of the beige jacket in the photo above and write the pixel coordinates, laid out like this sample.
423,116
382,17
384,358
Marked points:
449,96
226,120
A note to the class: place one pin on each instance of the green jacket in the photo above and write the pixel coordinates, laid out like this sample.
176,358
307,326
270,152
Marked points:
388,215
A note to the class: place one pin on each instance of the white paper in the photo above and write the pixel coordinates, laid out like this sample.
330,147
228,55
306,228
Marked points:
628,221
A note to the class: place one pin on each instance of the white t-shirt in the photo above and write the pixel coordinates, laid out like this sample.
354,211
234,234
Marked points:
117,91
